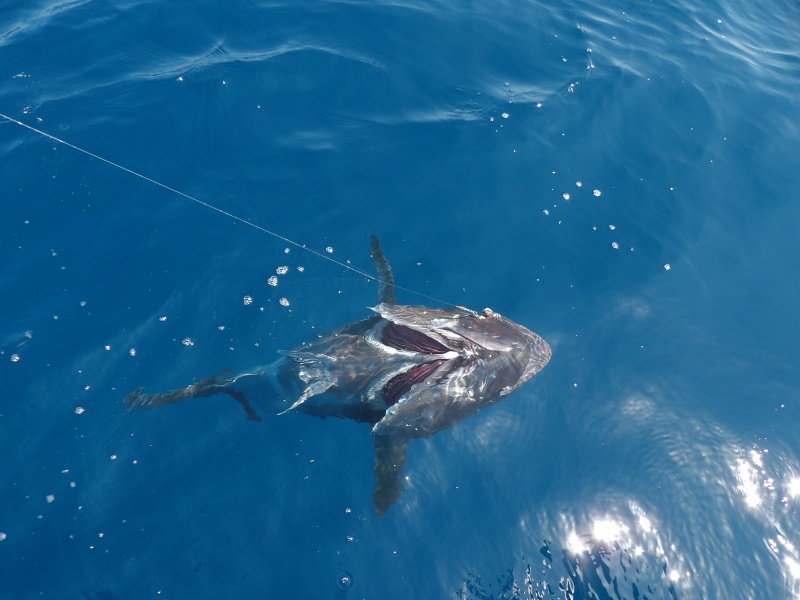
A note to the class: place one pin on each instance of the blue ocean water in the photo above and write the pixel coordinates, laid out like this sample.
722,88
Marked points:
620,179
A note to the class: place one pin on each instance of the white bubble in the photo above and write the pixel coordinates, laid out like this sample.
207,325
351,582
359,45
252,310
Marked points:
282,270
132,351
283,302
565,196
273,281
504,115
667,267
612,227
3,536
107,347
50,498
615,245
301,269
329,250
597,193
248,300
578,183
187,342
162,319
15,358
113,457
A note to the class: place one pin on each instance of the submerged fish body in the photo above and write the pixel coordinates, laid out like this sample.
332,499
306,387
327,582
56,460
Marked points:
409,371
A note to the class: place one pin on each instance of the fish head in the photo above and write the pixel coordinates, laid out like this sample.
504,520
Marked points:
466,361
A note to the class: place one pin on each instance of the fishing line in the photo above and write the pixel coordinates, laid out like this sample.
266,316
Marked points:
219,210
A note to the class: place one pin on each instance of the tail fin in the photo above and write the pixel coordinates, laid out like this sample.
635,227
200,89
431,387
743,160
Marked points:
210,386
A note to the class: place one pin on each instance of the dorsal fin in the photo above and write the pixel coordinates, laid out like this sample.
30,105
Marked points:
386,291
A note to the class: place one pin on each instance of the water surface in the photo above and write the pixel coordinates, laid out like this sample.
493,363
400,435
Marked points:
619,178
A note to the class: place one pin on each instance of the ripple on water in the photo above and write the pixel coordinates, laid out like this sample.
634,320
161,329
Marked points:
345,583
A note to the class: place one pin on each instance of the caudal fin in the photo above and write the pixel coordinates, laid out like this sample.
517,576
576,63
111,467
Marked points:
207,387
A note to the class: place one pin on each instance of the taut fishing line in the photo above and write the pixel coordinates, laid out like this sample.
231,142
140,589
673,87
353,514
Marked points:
219,210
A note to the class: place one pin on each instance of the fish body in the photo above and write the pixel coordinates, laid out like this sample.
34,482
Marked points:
408,371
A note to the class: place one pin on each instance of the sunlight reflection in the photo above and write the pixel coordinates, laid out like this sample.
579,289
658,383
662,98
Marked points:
756,473
645,524
747,476
575,544
793,487
601,548
608,531
794,567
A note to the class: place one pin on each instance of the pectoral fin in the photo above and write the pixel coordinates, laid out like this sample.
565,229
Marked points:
313,389
390,460
315,372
